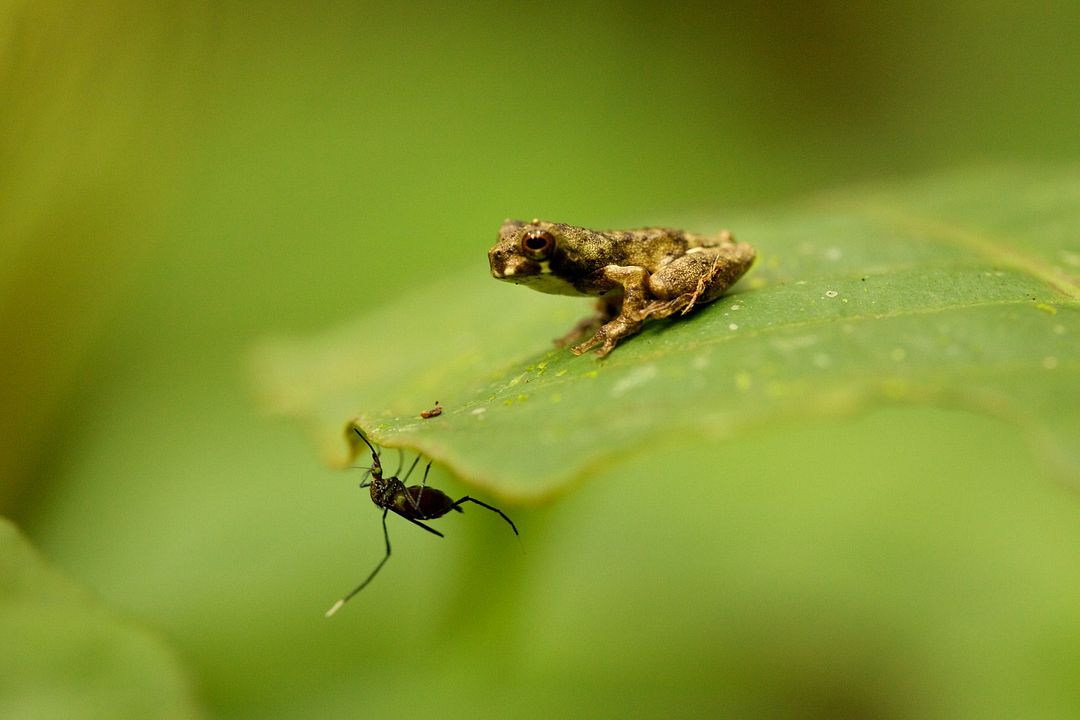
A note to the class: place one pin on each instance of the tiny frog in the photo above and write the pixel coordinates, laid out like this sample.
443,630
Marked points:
637,274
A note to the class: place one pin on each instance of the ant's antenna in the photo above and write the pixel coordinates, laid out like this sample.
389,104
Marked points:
374,453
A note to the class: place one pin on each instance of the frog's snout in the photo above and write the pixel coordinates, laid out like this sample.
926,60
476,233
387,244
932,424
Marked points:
500,268
496,264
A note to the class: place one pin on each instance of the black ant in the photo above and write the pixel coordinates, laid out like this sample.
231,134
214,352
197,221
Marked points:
414,503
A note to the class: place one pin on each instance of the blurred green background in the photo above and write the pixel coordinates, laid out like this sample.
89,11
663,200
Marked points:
180,180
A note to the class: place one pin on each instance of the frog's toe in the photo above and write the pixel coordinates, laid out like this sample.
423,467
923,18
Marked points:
610,335
606,348
588,344
659,309
587,325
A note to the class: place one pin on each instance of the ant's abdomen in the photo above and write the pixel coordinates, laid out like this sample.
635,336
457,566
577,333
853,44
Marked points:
433,503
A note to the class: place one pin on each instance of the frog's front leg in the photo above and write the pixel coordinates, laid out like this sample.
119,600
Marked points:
634,282
607,308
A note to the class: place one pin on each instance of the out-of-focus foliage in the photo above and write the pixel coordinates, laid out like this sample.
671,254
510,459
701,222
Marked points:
92,123
179,181
68,656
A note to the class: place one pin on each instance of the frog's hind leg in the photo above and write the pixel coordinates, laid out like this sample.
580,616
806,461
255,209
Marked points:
679,285
607,308
695,279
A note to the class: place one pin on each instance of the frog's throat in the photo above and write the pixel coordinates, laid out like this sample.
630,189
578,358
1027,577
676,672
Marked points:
546,283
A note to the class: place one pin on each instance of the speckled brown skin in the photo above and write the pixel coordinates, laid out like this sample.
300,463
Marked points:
637,274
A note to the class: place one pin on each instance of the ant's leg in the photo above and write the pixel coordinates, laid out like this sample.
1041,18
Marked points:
386,535
410,469
415,502
400,462
489,507
426,527
423,484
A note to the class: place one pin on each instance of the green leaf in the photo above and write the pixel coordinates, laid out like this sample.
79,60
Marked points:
957,291
67,656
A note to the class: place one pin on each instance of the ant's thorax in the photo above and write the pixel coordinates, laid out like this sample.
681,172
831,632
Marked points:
384,490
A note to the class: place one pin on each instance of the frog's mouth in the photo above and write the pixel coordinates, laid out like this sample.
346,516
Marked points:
511,268
521,272
504,272
530,273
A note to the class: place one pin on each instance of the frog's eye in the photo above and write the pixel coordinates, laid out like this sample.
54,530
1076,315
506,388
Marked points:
537,244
